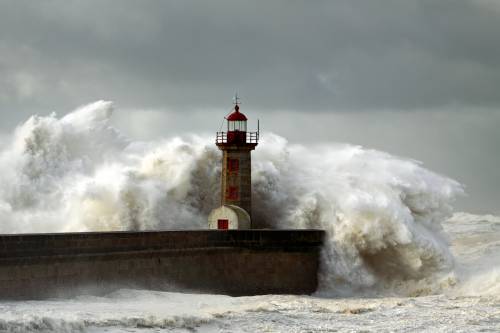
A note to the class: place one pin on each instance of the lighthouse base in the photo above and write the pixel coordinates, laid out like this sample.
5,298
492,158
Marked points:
232,262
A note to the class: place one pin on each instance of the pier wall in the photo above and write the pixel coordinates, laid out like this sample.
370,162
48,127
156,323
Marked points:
233,262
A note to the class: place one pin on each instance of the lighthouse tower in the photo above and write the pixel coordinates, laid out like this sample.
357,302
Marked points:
236,145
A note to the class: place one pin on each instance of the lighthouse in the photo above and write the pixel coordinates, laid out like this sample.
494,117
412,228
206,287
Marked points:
236,145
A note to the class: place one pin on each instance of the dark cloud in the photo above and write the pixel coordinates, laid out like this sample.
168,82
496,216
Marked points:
293,54
325,59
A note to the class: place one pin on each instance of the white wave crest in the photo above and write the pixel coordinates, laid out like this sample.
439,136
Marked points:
382,213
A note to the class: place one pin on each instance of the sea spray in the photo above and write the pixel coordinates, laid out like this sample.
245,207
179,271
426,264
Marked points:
476,243
382,213
78,173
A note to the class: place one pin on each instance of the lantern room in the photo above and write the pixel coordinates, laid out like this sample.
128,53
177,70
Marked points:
236,126
237,129
236,121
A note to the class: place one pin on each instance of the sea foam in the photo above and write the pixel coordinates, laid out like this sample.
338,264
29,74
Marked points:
382,213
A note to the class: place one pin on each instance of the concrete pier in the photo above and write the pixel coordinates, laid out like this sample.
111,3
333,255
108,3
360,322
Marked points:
232,262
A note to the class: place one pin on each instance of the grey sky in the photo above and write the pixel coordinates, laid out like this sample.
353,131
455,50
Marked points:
415,78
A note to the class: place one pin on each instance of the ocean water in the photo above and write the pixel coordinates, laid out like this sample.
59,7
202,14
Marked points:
466,300
396,258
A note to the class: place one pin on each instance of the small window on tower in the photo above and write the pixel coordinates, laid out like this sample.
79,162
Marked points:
232,193
233,165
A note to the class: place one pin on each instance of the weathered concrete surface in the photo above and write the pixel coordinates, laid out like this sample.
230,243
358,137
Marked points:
233,262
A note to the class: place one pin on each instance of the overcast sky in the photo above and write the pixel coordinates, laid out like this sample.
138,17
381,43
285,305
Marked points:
415,78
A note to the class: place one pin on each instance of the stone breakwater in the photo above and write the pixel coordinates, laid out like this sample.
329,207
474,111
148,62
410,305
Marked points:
234,262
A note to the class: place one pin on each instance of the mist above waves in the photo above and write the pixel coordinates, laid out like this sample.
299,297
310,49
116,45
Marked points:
382,213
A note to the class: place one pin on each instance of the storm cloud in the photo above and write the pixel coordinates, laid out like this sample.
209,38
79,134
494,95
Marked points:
377,73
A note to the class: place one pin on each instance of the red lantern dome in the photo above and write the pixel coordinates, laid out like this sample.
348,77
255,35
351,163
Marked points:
236,115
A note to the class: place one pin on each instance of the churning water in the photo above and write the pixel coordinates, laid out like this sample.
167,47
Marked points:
395,259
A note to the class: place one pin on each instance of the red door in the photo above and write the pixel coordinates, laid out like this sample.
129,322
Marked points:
223,224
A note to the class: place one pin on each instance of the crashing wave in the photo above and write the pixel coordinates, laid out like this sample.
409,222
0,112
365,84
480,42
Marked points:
382,213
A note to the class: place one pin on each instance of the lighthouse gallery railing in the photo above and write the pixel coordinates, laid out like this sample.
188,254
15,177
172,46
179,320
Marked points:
251,137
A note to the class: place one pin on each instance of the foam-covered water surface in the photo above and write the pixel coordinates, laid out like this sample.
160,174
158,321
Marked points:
468,302
395,257
149,311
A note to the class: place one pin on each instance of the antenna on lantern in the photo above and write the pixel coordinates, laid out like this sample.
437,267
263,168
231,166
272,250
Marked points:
236,99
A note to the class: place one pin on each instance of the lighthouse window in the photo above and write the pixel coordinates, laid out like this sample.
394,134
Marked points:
232,193
233,165
238,125
243,126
